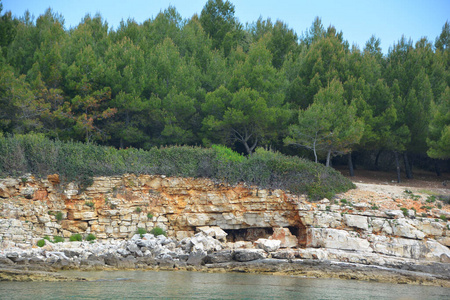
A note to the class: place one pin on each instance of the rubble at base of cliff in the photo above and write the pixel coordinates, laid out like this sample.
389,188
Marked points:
205,253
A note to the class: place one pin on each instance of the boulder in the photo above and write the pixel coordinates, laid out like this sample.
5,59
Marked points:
249,254
219,257
214,231
268,245
197,258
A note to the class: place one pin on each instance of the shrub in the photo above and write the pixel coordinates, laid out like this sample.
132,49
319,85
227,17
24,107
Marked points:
41,243
149,216
76,237
47,238
158,231
89,203
91,237
141,231
58,239
404,210
59,216
78,162
443,218
138,210
431,199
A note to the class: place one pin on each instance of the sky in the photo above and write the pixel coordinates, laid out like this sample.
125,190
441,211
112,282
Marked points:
388,20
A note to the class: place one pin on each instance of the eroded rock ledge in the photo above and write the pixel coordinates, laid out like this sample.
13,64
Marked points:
240,229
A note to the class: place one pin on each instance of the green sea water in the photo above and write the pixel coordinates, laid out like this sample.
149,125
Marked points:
197,285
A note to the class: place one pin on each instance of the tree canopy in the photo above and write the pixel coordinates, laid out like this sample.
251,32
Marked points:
210,79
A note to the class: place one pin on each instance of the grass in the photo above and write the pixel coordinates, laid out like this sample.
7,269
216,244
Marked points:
91,237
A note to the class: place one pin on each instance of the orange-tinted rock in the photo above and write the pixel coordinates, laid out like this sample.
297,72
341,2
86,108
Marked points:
53,179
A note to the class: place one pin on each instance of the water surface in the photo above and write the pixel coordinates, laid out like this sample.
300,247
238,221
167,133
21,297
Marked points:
185,285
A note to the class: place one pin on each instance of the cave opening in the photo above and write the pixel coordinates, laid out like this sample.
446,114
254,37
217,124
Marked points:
248,234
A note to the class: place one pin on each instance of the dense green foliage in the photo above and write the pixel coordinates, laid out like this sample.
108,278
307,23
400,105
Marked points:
210,80
76,161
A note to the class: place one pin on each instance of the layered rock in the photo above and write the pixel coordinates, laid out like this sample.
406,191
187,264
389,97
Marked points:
113,208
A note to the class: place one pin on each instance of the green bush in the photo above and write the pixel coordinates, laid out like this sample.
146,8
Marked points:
58,239
138,210
76,237
158,231
141,231
41,243
47,238
405,211
149,216
59,216
91,237
78,162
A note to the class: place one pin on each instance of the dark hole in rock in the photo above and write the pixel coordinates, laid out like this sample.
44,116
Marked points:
248,234
299,231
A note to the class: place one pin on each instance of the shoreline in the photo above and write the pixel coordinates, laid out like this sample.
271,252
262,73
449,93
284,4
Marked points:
302,268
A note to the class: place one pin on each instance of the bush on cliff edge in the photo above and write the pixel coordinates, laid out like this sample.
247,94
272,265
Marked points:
74,161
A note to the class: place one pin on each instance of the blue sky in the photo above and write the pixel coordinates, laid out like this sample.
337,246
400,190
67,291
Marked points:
357,19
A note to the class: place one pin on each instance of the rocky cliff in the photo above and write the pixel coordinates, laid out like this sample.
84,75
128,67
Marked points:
345,229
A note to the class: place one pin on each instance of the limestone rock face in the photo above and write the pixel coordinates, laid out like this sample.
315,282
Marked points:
207,217
356,221
405,228
336,239
285,236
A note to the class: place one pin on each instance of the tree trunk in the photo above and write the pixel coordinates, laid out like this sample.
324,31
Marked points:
437,169
314,150
408,171
350,164
397,166
376,159
328,158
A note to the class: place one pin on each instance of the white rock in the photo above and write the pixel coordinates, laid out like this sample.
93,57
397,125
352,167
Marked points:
404,228
356,221
268,245
336,239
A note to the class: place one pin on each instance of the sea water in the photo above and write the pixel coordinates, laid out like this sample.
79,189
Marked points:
198,285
